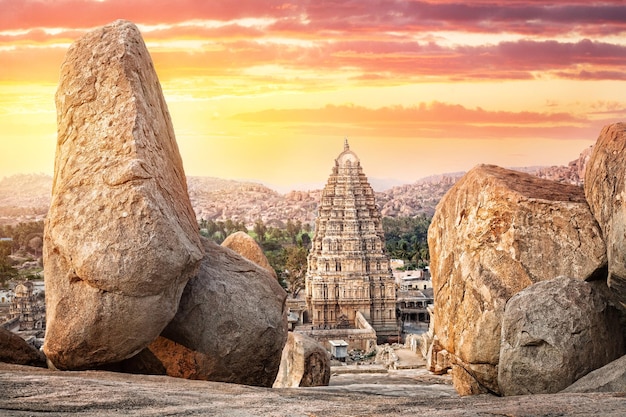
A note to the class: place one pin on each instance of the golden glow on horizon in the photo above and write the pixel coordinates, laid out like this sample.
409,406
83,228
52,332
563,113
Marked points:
270,96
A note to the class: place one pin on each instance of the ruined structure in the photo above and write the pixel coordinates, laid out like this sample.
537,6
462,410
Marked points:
27,309
348,270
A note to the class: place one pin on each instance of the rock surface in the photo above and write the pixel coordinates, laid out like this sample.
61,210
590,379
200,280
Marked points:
605,189
14,349
609,378
234,314
246,246
437,358
553,333
121,239
39,392
494,233
304,363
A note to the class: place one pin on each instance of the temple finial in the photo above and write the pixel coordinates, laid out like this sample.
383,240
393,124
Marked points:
346,147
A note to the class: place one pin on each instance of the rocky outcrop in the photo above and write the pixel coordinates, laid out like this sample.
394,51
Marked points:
605,189
14,349
609,378
233,313
495,233
304,363
121,239
553,333
437,358
246,246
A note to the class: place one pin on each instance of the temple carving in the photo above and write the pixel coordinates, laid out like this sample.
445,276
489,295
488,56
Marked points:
348,269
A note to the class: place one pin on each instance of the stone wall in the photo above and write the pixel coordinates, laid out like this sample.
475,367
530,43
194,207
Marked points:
362,337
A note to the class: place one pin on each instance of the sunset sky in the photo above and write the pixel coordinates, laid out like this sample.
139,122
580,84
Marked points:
267,90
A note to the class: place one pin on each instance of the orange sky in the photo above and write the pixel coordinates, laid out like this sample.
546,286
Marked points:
267,90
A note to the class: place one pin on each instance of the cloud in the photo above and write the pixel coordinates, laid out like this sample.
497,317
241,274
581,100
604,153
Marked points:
366,41
371,61
435,113
528,17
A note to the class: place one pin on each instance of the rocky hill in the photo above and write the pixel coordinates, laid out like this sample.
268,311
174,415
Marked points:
26,197
218,199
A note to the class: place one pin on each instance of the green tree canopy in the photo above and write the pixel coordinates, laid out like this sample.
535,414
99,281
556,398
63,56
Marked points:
295,268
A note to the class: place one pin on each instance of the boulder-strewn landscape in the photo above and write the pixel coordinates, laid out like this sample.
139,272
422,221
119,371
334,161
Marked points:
220,199
527,275
528,296
123,255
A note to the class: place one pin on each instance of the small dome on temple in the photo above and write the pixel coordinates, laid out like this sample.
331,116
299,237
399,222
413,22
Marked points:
347,157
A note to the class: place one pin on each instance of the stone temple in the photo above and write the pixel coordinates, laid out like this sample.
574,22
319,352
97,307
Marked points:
349,276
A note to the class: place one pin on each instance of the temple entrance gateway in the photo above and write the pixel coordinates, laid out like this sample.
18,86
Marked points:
348,269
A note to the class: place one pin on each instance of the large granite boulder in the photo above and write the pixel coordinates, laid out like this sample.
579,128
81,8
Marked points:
605,188
246,246
304,363
14,349
609,378
121,239
494,233
553,333
233,315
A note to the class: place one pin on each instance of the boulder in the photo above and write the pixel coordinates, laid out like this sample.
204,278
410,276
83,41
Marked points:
234,315
494,233
181,362
605,189
246,246
553,333
609,378
14,349
121,239
437,358
304,363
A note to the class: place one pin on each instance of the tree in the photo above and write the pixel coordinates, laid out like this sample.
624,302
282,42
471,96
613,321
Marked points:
36,244
6,268
293,229
260,229
295,268
221,229
306,240
407,238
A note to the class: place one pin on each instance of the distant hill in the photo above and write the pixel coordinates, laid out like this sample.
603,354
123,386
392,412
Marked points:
27,197
24,197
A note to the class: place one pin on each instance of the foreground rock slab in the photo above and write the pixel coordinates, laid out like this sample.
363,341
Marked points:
304,363
605,189
553,333
496,232
39,392
231,325
121,238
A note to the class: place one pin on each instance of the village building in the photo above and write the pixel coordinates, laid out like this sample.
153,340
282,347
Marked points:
27,311
349,283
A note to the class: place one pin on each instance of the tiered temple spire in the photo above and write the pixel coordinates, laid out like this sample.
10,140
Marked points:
348,268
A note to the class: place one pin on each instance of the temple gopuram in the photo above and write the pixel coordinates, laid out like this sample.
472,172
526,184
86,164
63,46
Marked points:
349,283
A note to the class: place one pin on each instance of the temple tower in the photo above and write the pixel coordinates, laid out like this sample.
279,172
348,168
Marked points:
348,269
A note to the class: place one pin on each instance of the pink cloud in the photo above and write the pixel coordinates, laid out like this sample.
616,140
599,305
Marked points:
331,15
372,37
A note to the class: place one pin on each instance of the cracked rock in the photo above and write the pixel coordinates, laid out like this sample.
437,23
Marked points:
121,239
